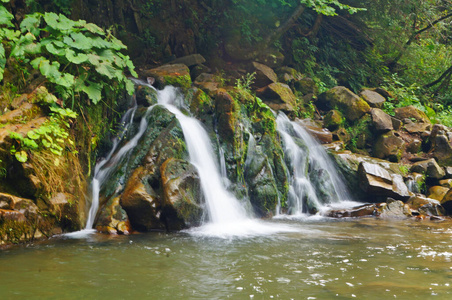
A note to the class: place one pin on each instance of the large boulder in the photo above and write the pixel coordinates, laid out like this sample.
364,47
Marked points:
415,120
333,119
141,202
323,135
345,100
381,121
441,144
113,218
171,74
389,146
264,75
438,192
428,167
181,193
378,182
373,98
278,96
426,206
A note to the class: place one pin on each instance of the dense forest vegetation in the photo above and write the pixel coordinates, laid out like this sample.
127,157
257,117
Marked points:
72,60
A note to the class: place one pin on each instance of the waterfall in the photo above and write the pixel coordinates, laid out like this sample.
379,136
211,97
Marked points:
308,163
105,167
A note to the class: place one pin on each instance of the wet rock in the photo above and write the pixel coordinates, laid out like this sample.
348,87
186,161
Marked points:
190,60
377,182
437,192
323,135
426,206
381,121
64,207
389,146
278,96
171,74
201,103
181,194
446,182
145,96
333,119
394,209
374,99
356,212
345,100
264,75
226,109
113,218
428,167
141,203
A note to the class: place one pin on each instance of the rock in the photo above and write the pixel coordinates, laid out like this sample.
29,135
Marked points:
441,145
271,58
377,182
437,192
190,60
264,75
306,86
448,171
389,146
345,100
416,127
446,182
278,96
201,103
289,75
428,167
207,83
411,112
176,75
323,135
415,146
360,211
226,109
141,203
113,218
396,123
426,206
342,135
374,99
394,209
446,202
63,206
145,96
181,193
381,121
25,112
197,70
333,119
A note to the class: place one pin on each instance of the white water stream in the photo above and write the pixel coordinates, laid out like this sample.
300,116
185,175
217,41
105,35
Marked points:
301,188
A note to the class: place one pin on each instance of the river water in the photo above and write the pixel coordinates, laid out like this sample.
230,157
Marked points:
319,259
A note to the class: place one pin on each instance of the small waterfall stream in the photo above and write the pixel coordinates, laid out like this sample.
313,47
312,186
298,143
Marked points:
306,158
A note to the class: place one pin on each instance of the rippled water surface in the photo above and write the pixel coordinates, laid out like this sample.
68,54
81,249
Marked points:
318,259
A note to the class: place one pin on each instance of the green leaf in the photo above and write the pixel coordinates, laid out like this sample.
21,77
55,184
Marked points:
33,135
31,23
75,58
93,90
58,22
46,143
21,156
16,136
93,28
54,50
30,144
5,17
105,68
78,41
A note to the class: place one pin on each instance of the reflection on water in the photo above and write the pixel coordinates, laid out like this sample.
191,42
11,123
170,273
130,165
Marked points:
322,259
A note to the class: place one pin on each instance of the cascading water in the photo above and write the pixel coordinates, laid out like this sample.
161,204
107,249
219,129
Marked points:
305,157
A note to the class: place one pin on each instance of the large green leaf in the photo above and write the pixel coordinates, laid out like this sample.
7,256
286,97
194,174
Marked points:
20,48
78,40
93,90
5,16
58,22
105,68
93,28
51,47
74,57
21,156
31,23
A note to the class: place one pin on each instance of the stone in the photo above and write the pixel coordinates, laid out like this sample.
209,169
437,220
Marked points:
437,192
448,171
446,182
27,111
377,182
333,119
63,206
278,96
415,146
181,194
389,146
171,74
264,75
306,86
352,106
446,202
141,203
416,127
323,135
271,58
113,218
394,209
342,135
355,212
441,145
396,123
381,121
226,108
411,112
189,60
207,82
428,167
145,95
374,99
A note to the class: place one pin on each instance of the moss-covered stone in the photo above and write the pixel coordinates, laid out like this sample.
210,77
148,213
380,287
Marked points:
171,74
333,119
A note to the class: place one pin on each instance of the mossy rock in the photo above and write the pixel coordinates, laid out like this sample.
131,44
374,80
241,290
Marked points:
389,146
333,119
352,106
172,74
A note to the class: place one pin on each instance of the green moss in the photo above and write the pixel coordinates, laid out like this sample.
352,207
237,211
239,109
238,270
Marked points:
183,81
